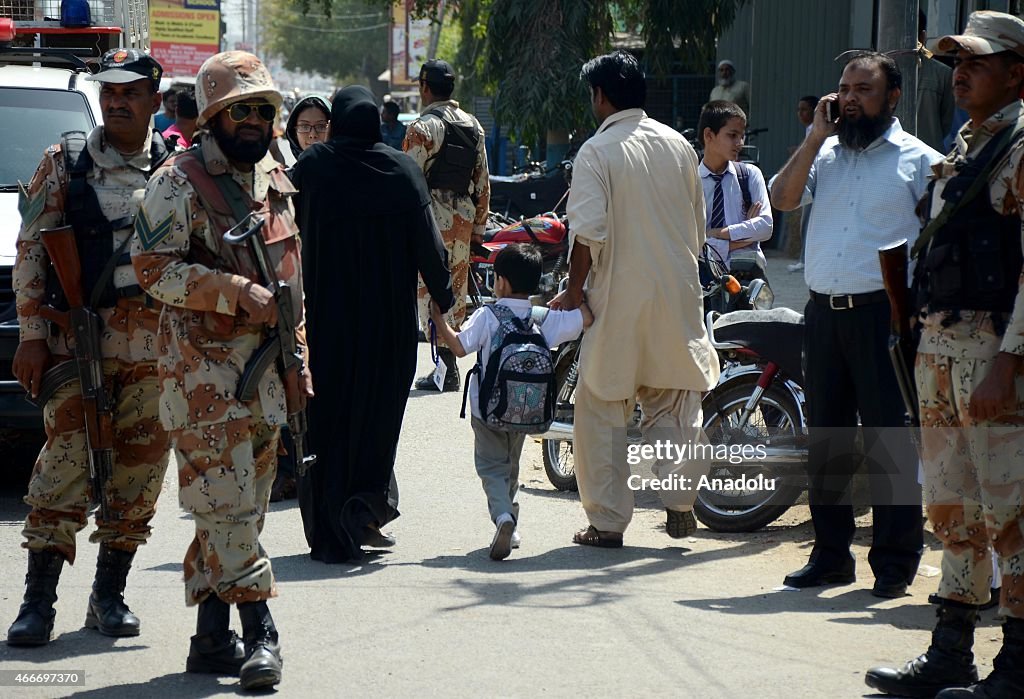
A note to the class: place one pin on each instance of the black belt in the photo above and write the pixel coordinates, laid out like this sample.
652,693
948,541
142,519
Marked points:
844,302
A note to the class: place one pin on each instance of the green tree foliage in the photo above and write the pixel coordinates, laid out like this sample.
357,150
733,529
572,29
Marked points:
528,53
350,44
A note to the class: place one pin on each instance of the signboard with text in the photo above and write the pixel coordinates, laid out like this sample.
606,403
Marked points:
184,33
410,44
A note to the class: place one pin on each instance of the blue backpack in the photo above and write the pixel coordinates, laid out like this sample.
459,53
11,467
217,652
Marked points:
517,388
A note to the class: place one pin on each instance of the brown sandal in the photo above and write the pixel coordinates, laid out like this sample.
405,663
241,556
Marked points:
592,536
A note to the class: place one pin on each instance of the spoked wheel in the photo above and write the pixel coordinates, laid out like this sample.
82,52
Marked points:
559,461
738,510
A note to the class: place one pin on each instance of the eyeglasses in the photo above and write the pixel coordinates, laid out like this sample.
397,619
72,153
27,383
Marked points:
240,111
306,128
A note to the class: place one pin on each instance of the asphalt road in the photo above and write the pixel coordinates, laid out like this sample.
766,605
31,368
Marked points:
434,616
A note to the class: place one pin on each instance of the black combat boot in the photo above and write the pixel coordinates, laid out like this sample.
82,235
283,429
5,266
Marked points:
451,377
108,613
215,648
34,625
948,662
262,666
1007,678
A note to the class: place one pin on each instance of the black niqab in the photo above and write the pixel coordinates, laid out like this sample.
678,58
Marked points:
367,231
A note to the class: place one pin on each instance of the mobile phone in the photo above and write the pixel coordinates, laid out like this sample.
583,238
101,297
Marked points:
832,111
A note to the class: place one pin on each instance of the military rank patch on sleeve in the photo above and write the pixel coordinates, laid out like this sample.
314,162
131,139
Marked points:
30,207
150,235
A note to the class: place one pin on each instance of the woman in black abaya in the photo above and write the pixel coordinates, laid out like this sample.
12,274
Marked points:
367,230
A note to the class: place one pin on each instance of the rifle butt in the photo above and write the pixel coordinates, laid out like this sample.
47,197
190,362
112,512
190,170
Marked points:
62,248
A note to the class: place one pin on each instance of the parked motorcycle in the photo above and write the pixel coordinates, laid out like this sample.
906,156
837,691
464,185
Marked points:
557,442
755,420
548,233
531,192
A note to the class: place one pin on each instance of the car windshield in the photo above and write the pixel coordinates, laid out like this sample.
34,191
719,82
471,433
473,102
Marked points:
31,120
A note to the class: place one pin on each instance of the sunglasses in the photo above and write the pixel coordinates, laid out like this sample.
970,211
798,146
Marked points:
240,111
306,128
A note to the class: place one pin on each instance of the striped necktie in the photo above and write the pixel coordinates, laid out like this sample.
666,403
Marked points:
717,219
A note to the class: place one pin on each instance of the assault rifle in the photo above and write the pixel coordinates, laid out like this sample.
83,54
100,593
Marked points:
84,325
281,345
902,346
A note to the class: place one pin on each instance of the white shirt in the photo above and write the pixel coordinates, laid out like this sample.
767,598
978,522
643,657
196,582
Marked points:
863,200
479,330
756,229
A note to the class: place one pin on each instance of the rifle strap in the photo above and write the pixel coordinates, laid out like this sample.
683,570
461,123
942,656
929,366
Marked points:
1007,140
233,195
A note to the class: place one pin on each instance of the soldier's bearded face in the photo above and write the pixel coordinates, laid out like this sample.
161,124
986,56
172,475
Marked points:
243,142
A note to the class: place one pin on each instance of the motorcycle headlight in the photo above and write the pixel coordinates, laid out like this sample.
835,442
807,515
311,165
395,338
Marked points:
761,295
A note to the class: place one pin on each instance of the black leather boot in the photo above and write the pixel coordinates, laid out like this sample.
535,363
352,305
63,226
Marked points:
948,662
34,625
215,648
108,613
1007,678
262,666
451,377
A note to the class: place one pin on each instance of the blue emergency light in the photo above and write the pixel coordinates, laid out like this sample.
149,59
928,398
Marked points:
75,13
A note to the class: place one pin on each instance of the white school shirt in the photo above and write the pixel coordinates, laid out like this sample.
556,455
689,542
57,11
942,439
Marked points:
756,229
478,331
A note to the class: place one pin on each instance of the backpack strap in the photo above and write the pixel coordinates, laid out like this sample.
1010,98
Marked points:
743,178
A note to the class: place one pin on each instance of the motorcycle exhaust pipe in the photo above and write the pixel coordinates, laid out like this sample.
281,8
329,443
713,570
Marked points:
558,430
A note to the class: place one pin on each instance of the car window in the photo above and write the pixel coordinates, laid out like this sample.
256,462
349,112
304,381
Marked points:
32,120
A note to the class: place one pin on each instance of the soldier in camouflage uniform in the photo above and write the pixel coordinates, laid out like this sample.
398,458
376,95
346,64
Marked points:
970,370
215,315
115,161
459,189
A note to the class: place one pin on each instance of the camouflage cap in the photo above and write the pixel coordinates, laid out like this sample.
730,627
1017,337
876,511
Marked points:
229,77
127,66
987,32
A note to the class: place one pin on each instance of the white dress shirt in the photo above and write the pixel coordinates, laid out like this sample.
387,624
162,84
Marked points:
756,229
863,200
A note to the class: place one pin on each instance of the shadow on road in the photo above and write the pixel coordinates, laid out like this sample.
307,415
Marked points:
174,685
300,567
68,646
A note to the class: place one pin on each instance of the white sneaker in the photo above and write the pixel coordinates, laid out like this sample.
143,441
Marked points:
795,267
516,539
501,544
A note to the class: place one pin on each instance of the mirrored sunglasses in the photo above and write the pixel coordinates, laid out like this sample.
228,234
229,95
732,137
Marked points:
240,111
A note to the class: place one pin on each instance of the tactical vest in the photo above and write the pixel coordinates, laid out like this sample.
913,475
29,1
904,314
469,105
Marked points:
974,261
94,233
452,167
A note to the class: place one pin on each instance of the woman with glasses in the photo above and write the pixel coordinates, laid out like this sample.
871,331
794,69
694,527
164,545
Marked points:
307,124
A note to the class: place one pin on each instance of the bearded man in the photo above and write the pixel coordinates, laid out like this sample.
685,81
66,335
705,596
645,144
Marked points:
865,176
730,89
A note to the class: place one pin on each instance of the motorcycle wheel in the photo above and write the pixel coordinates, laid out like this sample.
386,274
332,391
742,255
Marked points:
746,511
559,464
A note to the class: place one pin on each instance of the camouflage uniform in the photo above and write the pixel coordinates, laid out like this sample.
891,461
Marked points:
974,470
458,216
226,449
59,490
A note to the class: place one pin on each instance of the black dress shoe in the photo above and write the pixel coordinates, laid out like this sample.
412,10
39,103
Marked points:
815,574
889,589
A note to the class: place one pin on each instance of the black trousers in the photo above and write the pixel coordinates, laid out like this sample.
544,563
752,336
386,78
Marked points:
849,373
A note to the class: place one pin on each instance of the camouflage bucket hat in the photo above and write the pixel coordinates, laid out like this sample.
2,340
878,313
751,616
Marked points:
986,33
229,77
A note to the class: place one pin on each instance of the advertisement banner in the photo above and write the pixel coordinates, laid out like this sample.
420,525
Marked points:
410,44
184,33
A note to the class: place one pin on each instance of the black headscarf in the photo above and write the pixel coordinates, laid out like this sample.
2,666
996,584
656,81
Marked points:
376,176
